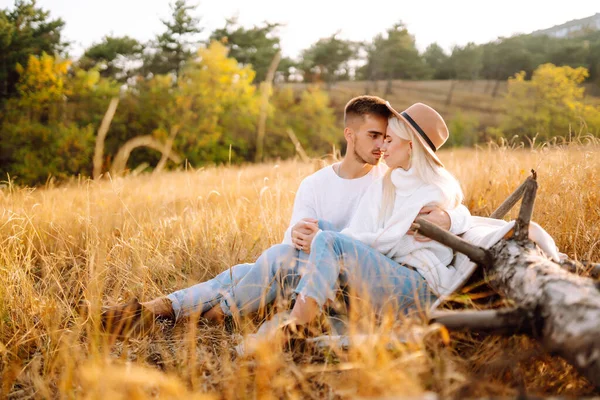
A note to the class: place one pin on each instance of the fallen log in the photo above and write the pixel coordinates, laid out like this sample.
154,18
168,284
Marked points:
557,307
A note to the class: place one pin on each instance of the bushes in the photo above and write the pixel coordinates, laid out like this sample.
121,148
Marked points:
49,128
551,104
39,151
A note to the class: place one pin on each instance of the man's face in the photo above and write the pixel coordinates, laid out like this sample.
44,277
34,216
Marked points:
368,134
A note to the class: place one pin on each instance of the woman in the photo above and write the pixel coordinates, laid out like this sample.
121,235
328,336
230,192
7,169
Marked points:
375,254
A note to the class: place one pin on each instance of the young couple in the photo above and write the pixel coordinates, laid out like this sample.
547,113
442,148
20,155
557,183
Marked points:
351,223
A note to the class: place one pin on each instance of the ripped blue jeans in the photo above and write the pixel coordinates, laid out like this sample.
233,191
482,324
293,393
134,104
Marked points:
336,259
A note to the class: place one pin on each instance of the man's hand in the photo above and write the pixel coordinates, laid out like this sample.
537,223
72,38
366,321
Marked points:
435,215
303,233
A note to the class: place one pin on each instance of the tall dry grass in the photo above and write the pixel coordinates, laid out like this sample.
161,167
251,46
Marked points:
147,236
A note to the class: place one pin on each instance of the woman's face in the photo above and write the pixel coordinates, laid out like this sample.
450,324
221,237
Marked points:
396,151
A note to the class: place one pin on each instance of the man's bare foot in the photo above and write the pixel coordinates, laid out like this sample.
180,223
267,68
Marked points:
160,307
127,319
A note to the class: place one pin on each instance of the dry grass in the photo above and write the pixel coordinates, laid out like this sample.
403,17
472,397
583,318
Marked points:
146,236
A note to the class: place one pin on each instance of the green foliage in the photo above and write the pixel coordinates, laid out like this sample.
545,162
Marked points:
466,61
45,130
464,130
437,61
309,115
328,59
255,46
24,31
43,150
176,44
113,57
550,104
394,56
217,105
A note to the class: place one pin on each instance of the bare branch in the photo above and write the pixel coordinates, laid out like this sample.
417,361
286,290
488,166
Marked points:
432,231
522,223
298,145
120,161
102,131
503,321
167,150
511,200
581,268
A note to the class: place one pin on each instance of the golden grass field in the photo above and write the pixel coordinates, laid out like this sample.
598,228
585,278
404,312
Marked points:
144,236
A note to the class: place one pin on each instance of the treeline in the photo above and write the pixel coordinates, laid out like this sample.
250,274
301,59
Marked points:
195,102
181,100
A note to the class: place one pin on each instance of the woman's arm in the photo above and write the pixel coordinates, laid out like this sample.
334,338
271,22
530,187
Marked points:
460,218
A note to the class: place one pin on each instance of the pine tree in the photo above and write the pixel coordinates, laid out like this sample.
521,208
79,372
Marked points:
176,45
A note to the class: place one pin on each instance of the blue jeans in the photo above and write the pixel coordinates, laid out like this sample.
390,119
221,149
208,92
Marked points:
245,287
337,259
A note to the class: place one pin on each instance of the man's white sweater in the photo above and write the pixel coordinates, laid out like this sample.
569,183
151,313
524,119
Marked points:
389,237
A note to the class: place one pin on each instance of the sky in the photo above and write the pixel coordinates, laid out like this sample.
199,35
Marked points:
446,22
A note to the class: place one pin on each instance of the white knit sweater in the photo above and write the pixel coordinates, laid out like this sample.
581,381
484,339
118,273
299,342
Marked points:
431,259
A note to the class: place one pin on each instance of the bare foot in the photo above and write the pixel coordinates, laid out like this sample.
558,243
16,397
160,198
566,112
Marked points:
305,310
215,314
160,307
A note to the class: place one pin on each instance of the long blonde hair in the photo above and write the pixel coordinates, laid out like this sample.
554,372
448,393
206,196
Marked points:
425,168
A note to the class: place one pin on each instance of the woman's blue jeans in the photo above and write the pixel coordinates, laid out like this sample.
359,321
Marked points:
371,277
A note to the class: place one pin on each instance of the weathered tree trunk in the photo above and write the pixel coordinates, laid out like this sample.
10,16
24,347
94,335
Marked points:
553,305
565,306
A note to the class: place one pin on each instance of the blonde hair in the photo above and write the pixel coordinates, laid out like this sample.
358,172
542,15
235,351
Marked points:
425,168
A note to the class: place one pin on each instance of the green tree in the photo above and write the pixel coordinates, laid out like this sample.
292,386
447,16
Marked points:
255,46
328,60
42,134
25,30
394,56
176,44
311,118
114,56
466,61
217,106
550,104
437,61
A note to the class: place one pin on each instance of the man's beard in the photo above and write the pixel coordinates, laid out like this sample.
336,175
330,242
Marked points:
361,160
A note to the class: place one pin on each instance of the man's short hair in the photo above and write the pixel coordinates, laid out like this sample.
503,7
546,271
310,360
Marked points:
363,105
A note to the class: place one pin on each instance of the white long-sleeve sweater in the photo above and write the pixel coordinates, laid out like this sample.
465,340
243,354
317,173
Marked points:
326,196
431,258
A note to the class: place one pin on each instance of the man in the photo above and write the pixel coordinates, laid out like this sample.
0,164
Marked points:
325,200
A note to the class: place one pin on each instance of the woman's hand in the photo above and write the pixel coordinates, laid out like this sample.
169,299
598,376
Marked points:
303,233
435,215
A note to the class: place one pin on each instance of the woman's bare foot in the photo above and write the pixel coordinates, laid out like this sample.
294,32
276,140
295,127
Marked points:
305,310
215,314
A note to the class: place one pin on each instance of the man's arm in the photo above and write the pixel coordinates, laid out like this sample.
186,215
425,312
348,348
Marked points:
304,209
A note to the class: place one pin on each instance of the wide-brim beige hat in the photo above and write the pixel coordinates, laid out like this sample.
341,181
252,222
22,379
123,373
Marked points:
427,124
